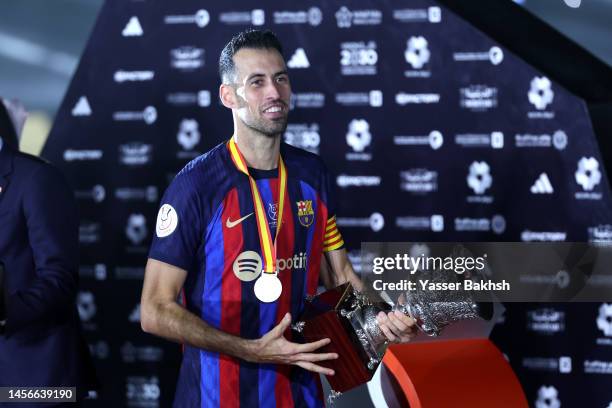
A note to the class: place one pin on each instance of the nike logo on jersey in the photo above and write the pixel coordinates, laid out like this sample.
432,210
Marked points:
231,224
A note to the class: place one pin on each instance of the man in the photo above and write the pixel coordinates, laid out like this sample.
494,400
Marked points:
248,205
40,342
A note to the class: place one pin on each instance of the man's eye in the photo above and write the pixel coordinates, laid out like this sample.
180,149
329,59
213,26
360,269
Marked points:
257,82
282,79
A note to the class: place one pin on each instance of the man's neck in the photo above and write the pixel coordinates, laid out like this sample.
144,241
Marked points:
259,151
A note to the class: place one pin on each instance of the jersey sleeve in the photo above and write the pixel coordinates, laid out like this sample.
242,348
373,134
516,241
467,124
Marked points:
332,239
178,230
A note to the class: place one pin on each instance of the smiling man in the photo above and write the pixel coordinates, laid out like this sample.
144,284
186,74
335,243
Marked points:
244,230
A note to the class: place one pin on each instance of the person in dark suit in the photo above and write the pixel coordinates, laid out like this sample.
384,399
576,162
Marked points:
40,340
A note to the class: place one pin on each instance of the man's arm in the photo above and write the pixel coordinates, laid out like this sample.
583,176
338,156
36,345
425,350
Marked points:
336,269
52,229
163,316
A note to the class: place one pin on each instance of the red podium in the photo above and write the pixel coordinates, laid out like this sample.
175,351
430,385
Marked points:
469,373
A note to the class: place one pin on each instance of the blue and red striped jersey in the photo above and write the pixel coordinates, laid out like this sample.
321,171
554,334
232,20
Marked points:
207,226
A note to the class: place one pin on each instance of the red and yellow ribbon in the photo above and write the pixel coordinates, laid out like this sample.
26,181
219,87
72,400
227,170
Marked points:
268,246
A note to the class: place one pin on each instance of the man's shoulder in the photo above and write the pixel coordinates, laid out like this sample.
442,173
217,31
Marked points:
26,165
301,158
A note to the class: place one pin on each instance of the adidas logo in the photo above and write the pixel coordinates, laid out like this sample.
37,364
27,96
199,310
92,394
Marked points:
132,28
81,108
542,185
299,59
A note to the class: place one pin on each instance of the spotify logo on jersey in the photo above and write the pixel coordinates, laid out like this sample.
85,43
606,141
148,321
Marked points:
247,266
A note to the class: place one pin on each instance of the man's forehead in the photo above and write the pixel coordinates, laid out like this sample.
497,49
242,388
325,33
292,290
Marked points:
266,61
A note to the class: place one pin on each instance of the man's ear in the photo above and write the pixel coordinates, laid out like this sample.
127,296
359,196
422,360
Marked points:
228,96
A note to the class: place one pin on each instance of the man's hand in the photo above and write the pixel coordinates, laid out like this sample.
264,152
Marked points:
274,348
397,327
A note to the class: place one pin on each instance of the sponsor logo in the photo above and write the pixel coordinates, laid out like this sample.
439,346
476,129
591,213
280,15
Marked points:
304,136
346,18
146,354
201,18
376,222
201,98
419,181
417,54
307,100
312,16
129,272
542,185
558,140
96,271
97,193
435,140
255,17
478,98
588,176
561,279
305,212
600,233
403,98
89,232
142,392
133,76
187,58
359,138
148,115
562,364
528,236
540,92
229,223
374,98
479,179
272,214
358,58
135,154
188,137
495,55
167,221
298,59
604,319
248,265
345,181
433,223
431,14
540,95
81,108
597,367
546,321
86,306
136,228
494,140
134,316
496,224
149,194
132,28
548,397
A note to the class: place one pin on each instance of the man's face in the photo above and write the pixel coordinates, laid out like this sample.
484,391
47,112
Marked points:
263,90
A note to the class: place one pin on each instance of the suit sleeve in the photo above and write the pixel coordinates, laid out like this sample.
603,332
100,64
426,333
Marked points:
178,230
51,217
332,239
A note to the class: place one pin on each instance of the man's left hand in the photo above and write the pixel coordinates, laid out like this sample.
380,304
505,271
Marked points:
397,327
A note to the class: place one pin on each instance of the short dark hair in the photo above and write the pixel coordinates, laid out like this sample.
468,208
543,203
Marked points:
250,38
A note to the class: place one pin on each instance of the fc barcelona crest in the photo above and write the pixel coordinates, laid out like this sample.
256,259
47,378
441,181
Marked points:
305,212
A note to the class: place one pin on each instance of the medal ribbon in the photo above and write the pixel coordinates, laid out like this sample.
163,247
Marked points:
268,246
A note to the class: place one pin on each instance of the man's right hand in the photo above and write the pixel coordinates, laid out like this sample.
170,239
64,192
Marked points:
274,348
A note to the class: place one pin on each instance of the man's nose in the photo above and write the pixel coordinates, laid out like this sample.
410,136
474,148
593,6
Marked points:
272,91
